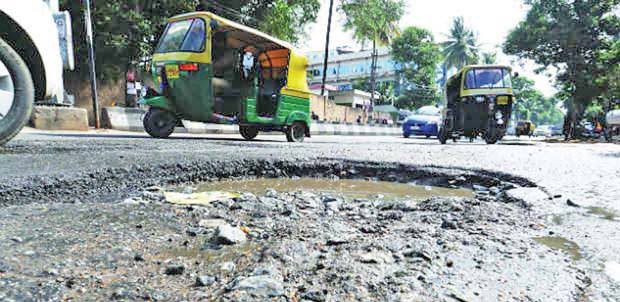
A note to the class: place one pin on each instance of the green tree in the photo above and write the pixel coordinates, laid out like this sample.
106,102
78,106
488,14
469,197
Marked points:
417,55
375,21
124,31
609,81
461,48
532,105
489,58
287,20
572,35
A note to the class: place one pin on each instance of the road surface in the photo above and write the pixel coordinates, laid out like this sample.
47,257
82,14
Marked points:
581,179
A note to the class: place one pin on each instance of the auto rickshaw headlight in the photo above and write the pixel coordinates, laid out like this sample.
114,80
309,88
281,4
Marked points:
479,99
498,115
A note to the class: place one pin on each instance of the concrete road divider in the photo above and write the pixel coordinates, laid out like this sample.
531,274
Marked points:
59,118
130,119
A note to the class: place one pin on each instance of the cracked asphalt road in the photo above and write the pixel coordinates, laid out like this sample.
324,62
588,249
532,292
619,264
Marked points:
584,173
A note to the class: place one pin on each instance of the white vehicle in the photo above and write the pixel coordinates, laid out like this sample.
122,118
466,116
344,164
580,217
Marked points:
543,130
35,46
613,117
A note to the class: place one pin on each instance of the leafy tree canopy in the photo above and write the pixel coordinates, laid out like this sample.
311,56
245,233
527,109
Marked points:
461,48
287,19
489,58
373,20
417,55
576,36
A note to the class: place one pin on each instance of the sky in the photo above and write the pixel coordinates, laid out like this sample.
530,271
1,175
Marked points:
491,20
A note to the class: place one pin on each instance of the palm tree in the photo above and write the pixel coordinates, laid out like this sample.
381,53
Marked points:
489,58
461,48
375,21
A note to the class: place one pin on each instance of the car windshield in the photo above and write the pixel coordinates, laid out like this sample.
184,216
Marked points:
185,35
428,110
488,78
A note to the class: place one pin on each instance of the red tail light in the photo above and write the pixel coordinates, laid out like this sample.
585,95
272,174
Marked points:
188,67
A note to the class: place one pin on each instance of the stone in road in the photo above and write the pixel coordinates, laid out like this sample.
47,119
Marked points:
587,174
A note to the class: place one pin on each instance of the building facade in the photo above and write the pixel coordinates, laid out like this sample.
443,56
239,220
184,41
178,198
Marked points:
345,67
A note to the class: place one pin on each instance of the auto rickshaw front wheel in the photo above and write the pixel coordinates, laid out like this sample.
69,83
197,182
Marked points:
159,123
248,132
296,132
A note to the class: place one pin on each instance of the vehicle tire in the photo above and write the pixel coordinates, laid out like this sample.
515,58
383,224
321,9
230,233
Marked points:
490,137
159,123
608,135
248,132
406,135
296,132
442,136
16,87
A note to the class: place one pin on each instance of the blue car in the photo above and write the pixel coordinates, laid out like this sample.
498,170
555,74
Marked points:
425,122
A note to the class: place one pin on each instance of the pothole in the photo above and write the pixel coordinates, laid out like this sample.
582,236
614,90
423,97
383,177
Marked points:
327,231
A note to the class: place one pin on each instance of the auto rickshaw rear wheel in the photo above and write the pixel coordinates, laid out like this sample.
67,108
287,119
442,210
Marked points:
248,132
159,123
442,135
296,132
491,135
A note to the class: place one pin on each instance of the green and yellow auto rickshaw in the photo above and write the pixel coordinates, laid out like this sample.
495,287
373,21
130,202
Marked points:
525,128
210,69
478,102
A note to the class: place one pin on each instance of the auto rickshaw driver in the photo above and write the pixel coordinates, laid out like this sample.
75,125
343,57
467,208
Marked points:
223,59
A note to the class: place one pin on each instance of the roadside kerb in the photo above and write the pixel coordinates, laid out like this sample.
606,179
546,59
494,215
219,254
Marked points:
130,119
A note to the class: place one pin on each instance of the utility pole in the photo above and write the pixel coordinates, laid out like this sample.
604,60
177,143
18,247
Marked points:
329,25
91,60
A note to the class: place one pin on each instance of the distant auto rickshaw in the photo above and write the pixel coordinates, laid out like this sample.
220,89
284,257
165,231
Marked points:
525,128
478,102
210,69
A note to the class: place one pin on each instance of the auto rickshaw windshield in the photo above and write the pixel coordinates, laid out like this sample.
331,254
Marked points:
481,78
184,35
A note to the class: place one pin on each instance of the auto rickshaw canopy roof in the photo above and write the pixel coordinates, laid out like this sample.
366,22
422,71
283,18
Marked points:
250,35
470,67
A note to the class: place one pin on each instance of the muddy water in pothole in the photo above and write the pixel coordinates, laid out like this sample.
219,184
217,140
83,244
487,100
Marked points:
349,188
561,244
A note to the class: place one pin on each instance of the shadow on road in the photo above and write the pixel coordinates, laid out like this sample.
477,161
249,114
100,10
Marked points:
429,141
135,136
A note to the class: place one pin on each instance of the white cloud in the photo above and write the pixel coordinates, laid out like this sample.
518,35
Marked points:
492,20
